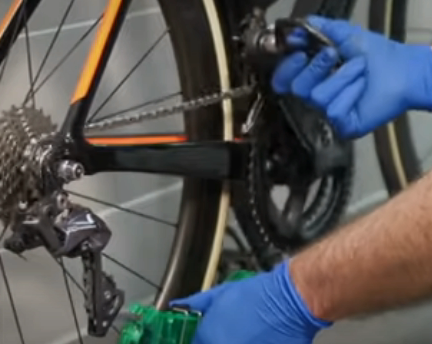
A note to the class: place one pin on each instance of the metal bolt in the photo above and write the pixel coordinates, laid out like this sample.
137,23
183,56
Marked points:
267,42
70,171
62,201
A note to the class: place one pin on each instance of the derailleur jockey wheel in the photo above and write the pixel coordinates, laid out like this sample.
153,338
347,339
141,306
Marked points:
38,212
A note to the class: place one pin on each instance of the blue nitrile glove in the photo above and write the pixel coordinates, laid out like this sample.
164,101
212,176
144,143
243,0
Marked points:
379,80
265,309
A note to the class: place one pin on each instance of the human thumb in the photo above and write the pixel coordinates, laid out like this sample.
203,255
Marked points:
201,301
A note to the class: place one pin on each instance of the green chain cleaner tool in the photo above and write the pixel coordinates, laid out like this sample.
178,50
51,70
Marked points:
175,326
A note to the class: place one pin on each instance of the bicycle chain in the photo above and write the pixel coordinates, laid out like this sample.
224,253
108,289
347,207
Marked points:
186,106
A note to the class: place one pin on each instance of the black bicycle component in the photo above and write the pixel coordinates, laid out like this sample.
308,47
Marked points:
260,39
34,227
326,155
309,153
315,39
210,160
103,301
70,230
83,234
21,240
80,226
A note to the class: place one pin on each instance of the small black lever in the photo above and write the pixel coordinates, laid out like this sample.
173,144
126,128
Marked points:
284,27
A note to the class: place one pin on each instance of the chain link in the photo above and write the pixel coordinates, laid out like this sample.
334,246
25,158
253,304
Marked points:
186,106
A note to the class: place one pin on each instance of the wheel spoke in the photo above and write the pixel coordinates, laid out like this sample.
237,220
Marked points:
29,60
67,55
231,233
137,107
74,314
133,272
68,274
3,233
129,211
121,83
11,299
48,52
115,329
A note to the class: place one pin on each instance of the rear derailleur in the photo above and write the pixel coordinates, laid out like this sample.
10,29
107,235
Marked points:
69,230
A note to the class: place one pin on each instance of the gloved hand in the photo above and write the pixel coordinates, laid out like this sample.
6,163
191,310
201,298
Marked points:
265,309
379,80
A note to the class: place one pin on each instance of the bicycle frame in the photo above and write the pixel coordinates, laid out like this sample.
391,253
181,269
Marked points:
161,154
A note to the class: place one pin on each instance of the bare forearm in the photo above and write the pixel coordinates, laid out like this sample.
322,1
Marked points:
381,261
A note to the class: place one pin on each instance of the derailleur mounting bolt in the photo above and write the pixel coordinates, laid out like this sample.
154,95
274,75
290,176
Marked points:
70,171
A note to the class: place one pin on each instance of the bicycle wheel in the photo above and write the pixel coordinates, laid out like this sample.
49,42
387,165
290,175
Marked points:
317,204
396,150
403,147
199,56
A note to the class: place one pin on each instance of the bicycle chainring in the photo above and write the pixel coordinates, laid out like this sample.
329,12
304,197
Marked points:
278,158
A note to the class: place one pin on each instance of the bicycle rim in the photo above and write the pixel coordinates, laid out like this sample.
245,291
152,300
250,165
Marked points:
397,149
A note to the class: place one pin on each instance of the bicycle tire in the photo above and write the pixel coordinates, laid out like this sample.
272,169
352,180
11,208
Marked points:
312,226
394,143
205,203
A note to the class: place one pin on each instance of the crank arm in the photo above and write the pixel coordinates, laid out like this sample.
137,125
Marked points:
304,122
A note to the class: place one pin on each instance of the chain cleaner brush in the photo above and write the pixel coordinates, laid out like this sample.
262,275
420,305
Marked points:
174,326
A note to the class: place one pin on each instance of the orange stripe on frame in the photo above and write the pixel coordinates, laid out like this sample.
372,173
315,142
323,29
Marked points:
9,15
96,50
139,140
